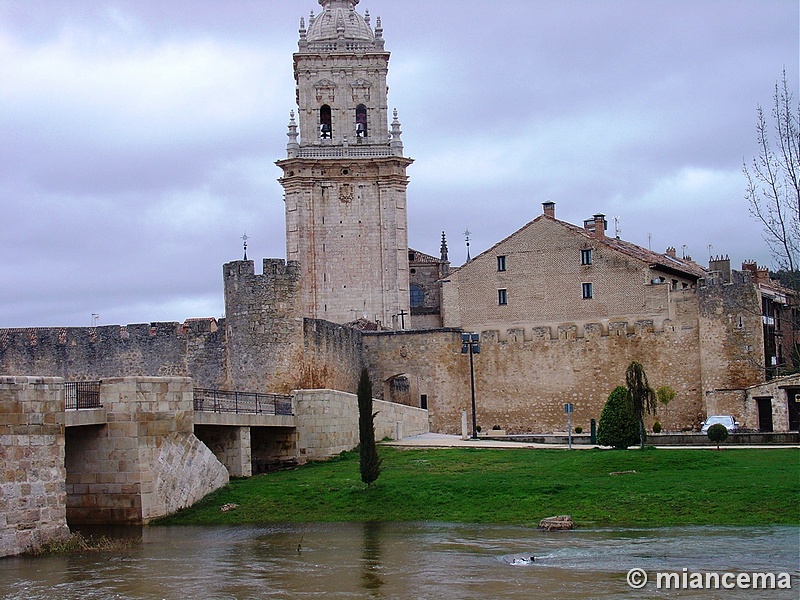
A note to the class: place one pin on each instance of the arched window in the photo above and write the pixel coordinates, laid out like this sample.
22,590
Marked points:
361,121
417,296
325,129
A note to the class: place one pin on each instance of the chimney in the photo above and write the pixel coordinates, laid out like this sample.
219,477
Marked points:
549,209
721,264
757,274
671,252
599,226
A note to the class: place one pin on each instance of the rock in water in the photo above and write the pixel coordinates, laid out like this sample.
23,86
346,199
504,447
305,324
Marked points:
559,523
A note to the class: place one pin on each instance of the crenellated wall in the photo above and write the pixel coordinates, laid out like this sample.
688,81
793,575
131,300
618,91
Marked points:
195,348
524,376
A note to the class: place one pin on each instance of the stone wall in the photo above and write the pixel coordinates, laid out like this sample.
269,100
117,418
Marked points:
524,377
732,342
195,348
327,422
263,325
146,461
782,391
32,474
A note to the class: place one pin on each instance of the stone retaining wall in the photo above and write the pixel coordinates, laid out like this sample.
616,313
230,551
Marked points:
327,422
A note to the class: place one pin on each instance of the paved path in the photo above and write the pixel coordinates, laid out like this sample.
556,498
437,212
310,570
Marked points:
442,440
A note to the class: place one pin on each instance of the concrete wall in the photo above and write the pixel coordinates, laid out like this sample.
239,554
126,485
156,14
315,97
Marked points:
327,422
146,461
32,474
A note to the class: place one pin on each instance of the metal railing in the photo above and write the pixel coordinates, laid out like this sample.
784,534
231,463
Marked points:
222,401
82,394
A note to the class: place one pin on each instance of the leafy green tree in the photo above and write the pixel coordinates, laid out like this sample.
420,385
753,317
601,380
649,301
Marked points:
617,427
717,433
369,461
665,395
641,397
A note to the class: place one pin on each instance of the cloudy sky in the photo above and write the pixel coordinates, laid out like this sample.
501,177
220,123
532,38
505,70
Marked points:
138,137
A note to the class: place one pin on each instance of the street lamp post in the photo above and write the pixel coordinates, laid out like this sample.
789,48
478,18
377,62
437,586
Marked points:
470,344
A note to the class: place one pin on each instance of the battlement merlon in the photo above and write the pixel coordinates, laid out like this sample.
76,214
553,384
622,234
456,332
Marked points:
273,268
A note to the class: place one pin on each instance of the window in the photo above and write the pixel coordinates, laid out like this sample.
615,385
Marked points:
423,401
501,263
417,296
502,297
586,256
325,129
361,121
587,290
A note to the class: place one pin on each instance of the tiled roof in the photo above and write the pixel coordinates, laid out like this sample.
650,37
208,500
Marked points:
422,257
654,259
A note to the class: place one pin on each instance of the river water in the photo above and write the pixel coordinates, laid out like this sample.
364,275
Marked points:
407,560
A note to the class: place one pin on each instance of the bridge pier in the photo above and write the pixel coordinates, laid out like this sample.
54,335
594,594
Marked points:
231,446
145,462
32,474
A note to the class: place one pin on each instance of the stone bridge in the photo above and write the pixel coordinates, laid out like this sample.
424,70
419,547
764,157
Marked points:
145,451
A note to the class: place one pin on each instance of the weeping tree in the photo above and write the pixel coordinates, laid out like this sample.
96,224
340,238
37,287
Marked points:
641,397
369,461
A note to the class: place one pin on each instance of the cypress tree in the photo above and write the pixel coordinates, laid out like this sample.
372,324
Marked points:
369,461
617,427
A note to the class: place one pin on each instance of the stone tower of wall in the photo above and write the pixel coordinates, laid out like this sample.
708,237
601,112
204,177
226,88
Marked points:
263,325
731,340
344,177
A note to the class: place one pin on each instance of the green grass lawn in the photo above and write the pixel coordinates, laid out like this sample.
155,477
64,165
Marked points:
669,487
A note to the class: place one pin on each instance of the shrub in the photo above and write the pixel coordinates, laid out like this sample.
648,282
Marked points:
579,429
656,427
618,427
718,433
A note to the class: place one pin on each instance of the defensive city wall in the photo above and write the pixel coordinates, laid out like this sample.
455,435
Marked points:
703,343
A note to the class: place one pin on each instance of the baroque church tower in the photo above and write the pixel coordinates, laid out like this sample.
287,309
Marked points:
344,177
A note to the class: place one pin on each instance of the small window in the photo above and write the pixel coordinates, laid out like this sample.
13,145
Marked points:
586,256
501,263
502,297
423,401
587,290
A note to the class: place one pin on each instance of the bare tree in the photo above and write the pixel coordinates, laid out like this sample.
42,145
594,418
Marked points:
773,180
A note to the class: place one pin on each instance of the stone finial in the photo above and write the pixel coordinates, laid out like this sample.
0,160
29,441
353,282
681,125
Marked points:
379,41
396,132
443,248
302,28
366,16
292,146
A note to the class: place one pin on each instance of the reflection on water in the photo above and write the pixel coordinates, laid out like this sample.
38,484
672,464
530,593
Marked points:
403,560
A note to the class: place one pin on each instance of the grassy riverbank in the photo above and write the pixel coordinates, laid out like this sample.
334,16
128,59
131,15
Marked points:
668,487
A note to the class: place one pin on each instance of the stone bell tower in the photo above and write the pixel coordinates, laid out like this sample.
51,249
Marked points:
344,177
